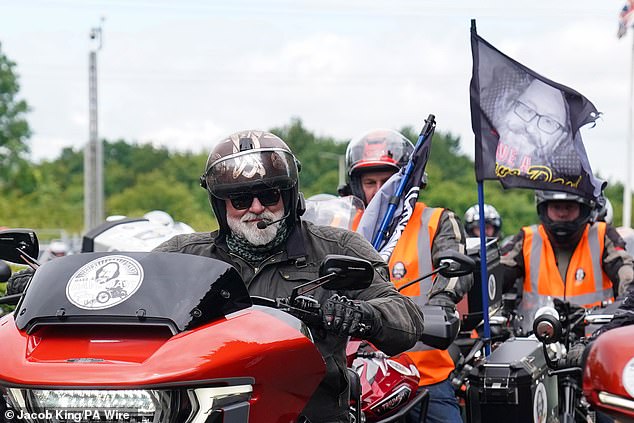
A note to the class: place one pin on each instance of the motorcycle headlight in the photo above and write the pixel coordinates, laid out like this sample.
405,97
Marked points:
145,402
91,404
194,405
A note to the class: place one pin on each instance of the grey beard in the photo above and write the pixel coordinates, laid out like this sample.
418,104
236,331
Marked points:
251,232
254,254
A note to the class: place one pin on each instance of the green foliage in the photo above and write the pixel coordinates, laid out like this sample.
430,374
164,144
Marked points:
140,178
14,129
318,156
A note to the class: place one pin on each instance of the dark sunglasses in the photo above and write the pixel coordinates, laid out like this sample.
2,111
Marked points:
267,198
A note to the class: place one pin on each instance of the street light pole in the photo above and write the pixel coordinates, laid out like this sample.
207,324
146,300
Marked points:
93,153
627,190
341,160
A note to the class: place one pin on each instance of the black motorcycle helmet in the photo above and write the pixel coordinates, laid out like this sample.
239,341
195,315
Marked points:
564,233
377,150
252,161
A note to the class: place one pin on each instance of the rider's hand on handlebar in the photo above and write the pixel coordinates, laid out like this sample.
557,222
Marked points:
574,358
347,317
18,281
443,300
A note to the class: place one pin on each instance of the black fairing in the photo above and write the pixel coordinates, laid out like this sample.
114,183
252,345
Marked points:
177,290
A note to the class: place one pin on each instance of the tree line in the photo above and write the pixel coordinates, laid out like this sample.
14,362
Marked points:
141,177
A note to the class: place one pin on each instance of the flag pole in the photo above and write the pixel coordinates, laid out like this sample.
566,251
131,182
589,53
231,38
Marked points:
627,191
484,291
484,277
428,129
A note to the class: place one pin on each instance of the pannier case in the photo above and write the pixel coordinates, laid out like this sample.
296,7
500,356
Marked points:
512,385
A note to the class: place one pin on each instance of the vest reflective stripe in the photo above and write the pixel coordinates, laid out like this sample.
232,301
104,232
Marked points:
596,254
424,252
535,258
355,220
434,365
585,282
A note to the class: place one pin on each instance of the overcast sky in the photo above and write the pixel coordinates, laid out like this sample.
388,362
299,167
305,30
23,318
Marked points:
184,73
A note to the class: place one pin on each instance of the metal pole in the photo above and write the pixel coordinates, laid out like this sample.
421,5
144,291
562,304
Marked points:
93,153
342,170
627,191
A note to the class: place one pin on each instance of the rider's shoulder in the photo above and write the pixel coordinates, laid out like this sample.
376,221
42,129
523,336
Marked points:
183,241
329,233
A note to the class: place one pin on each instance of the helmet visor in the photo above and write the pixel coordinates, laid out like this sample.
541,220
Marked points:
251,171
381,148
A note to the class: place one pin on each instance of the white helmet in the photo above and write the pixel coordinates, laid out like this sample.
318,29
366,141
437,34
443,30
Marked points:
491,217
58,248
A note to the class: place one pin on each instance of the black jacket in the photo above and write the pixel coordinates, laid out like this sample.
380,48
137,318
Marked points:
299,262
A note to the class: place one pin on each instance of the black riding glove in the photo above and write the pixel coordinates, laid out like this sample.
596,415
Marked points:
346,317
18,281
574,358
444,300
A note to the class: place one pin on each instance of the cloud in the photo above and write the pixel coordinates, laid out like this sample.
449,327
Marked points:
183,76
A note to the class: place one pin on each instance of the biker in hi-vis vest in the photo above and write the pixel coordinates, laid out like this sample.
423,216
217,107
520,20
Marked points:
567,256
370,160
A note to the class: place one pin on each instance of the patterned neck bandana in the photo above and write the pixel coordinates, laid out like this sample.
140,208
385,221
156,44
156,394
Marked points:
254,254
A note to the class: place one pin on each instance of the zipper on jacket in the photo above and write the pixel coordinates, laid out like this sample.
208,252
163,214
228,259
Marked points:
255,269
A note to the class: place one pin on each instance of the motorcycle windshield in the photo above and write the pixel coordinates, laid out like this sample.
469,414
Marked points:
181,291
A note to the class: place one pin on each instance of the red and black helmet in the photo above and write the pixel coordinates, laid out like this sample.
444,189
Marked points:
376,150
251,161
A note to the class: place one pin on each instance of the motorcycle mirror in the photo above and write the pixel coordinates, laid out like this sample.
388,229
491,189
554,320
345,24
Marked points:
5,271
440,328
547,328
456,264
350,273
19,246
338,273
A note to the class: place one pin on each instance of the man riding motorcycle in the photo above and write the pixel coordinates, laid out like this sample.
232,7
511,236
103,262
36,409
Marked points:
252,182
566,256
371,160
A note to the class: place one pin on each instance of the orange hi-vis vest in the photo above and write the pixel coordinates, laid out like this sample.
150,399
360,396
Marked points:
410,260
586,283
356,219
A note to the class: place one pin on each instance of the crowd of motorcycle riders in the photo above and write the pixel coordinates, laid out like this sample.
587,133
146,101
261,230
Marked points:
252,182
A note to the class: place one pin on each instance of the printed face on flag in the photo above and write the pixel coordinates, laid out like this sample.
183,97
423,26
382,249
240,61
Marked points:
526,126
532,127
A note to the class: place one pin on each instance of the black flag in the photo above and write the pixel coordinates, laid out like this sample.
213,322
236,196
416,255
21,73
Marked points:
527,127
372,219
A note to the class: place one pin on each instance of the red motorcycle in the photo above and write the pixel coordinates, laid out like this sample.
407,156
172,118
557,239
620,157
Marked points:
608,376
388,385
604,379
178,348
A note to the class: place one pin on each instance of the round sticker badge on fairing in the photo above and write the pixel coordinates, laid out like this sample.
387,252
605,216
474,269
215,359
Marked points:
104,282
491,285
